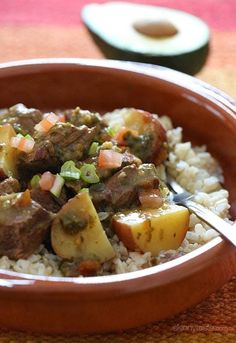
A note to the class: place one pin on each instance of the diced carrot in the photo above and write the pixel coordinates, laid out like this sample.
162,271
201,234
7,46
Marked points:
24,199
89,267
44,126
151,198
22,143
47,180
49,120
26,145
119,136
109,159
62,118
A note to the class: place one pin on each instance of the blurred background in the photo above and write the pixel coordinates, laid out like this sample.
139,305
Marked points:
53,28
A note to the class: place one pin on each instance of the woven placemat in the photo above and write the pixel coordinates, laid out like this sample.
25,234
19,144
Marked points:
214,320
26,42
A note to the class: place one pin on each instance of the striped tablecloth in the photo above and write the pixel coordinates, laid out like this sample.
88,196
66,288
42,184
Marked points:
52,28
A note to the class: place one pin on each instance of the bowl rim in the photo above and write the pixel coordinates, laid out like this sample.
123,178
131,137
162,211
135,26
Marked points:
172,270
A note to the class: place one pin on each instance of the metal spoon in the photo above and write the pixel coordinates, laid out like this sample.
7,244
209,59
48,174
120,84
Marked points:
182,197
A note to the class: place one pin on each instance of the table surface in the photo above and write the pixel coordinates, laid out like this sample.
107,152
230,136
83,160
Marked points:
52,28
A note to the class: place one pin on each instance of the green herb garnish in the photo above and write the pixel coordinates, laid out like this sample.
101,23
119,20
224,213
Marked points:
88,173
110,130
34,181
69,171
93,149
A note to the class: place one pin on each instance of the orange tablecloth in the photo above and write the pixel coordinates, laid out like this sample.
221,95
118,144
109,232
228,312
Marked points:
214,320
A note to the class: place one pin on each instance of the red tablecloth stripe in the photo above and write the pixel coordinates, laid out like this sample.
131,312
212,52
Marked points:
219,14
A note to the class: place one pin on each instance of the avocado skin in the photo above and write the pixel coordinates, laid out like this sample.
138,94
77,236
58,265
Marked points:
190,63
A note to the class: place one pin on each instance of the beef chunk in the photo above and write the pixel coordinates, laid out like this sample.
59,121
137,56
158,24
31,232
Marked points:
121,190
80,117
22,119
63,142
23,225
9,185
47,200
101,196
74,186
42,158
70,142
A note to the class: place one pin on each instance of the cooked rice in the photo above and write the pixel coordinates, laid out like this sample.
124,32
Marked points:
196,170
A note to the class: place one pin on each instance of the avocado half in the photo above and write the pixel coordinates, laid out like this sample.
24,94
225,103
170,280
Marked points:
113,26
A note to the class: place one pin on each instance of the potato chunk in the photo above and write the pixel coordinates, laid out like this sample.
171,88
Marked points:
77,231
152,229
8,155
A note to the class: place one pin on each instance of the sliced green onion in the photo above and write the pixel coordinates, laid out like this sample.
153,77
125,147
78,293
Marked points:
93,148
57,186
88,173
110,130
84,190
26,136
69,171
29,137
34,181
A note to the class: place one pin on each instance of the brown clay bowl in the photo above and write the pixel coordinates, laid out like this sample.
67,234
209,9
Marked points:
101,304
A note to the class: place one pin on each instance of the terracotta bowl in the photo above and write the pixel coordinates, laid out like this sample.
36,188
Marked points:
101,304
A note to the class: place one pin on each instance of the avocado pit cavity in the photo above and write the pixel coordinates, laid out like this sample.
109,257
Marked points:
155,28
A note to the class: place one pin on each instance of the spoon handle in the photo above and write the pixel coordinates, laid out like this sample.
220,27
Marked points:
227,230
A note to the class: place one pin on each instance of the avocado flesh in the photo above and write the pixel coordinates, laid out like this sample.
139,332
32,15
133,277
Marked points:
111,26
